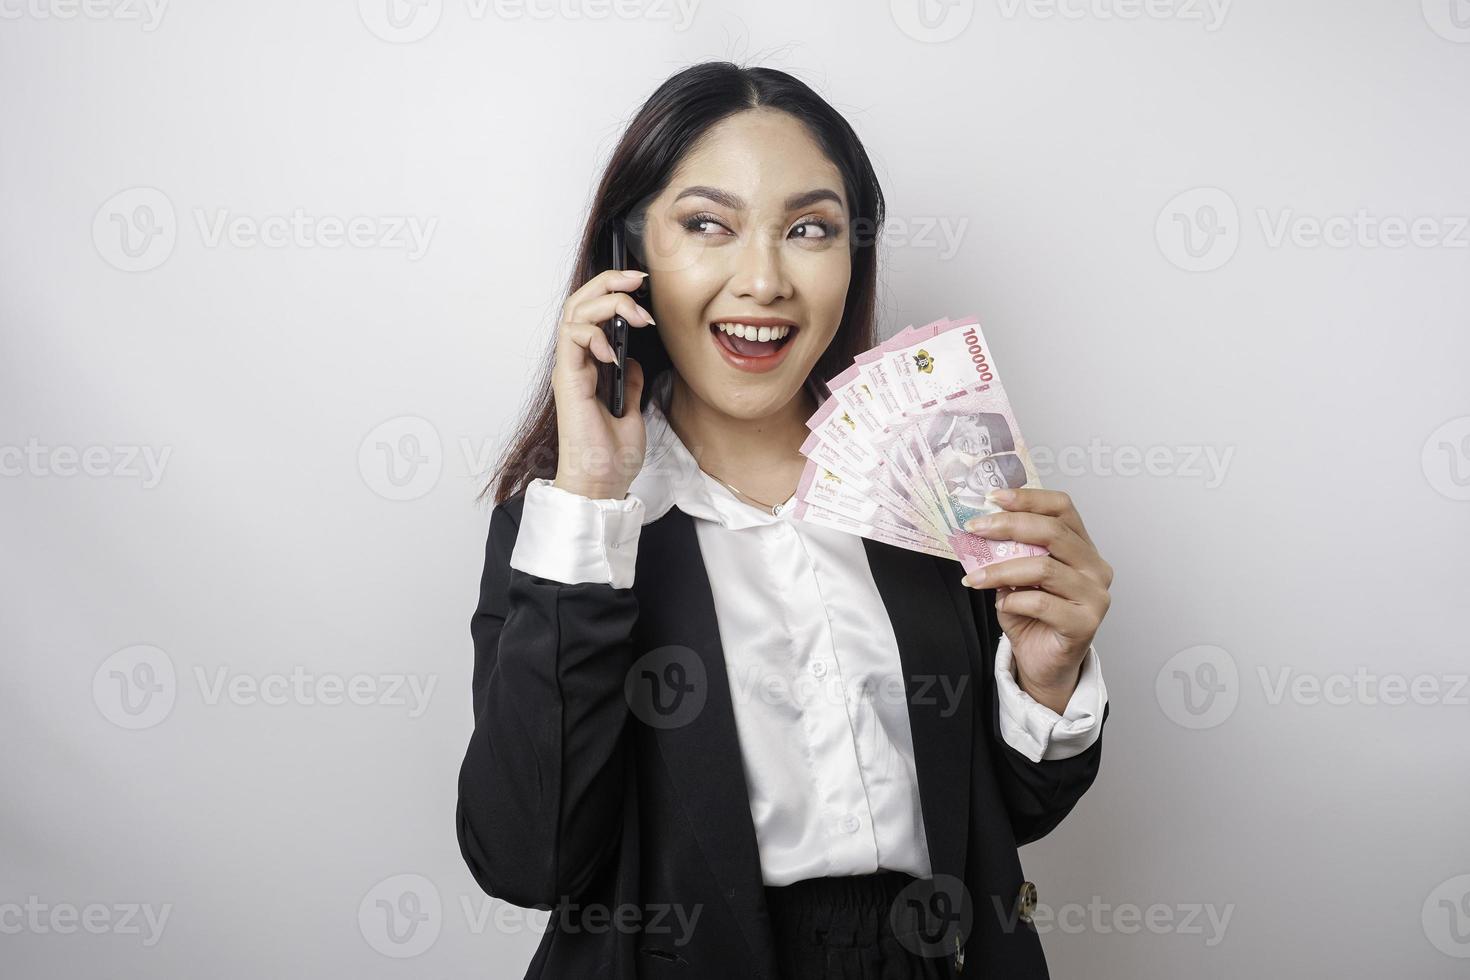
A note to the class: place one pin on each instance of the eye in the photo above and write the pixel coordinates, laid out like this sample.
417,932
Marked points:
821,226
697,223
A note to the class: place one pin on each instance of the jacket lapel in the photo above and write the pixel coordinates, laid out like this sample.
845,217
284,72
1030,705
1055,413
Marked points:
702,751
941,692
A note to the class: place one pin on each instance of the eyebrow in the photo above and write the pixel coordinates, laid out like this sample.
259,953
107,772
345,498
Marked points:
734,202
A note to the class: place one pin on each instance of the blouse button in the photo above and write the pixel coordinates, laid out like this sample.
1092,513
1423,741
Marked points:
851,824
820,668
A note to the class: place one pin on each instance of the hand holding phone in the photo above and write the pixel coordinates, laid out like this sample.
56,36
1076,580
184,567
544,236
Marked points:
599,451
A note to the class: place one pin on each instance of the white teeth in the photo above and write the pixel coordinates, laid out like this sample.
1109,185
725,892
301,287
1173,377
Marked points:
754,333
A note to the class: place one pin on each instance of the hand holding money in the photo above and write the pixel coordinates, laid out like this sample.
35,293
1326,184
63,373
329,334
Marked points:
918,447
1050,606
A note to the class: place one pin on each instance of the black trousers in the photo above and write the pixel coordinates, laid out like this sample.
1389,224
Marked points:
844,929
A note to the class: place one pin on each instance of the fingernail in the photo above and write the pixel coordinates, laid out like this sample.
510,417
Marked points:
634,272
1001,496
646,315
975,578
978,524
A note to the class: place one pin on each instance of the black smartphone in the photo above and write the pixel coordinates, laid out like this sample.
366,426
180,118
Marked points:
610,376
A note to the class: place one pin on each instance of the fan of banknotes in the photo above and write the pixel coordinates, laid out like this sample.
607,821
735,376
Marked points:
915,435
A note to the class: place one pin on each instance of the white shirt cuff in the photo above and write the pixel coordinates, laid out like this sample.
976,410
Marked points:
569,538
1036,731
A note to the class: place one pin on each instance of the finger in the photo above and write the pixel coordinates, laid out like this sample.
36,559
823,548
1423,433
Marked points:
1040,572
1049,532
605,282
1053,503
598,300
574,342
600,309
1068,618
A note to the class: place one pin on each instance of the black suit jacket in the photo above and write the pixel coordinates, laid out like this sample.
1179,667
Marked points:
570,801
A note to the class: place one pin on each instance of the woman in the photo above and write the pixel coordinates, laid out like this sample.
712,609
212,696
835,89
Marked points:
716,741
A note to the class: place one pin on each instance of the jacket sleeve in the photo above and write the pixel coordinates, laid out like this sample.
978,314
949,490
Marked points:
541,785
1037,794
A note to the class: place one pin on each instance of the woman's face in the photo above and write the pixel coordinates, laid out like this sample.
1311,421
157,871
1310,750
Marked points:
753,226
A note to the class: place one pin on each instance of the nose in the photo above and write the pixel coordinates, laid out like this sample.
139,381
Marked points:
760,273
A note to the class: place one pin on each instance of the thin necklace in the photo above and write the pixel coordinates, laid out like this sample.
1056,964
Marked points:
775,509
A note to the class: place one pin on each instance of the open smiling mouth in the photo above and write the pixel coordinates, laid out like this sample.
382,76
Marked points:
747,341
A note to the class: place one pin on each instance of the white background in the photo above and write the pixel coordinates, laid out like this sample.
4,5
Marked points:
327,414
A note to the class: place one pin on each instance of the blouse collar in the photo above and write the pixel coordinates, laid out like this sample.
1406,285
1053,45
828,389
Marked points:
671,477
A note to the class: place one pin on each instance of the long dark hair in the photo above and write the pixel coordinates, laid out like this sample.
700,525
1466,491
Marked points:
665,128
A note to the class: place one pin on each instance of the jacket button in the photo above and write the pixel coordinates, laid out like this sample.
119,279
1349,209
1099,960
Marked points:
1026,901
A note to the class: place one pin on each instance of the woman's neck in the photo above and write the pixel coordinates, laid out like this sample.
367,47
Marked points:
760,456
